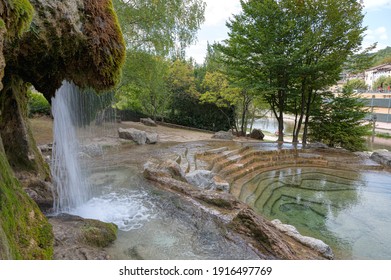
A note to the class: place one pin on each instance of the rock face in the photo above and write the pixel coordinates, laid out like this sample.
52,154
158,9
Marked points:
74,40
224,135
138,136
81,239
257,134
382,157
148,122
24,231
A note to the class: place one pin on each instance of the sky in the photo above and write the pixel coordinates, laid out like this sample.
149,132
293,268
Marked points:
377,20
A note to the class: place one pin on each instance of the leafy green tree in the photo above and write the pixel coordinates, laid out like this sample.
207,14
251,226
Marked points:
339,122
290,48
160,26
218,92
144,86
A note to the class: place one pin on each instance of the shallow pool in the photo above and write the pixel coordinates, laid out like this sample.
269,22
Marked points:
350,211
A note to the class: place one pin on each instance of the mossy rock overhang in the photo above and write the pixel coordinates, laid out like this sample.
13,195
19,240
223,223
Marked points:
74,40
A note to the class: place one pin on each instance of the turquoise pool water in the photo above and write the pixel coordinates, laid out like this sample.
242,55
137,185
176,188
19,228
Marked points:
350,211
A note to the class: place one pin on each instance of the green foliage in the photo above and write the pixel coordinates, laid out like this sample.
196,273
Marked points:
357,84
37,104
382,56
339,122
382,82
185,106
383,135
292,49
160,26
143,87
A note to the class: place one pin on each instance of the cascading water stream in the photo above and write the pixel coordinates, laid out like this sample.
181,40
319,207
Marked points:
72,189
80,119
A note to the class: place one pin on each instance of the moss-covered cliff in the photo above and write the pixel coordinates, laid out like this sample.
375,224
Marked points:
75,40
25,232
42,43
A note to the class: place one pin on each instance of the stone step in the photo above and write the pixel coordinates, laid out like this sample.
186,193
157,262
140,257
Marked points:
258,166
226,158
254,158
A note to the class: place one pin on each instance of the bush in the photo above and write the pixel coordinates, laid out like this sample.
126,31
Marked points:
37,104
339,122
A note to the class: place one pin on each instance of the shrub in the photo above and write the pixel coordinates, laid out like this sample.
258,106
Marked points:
37,104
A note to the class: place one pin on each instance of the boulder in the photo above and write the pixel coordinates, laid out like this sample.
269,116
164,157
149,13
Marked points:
138,136
257,134
201,179
382,157
148,122
313,243
225,135
92,150
152,137
81,239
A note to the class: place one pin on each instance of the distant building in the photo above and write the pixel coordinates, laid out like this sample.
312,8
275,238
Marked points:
372,74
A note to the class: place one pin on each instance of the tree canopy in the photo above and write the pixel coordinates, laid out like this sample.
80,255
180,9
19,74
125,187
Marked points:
160,26
292,49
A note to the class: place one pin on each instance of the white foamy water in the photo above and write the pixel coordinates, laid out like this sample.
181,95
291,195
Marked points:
72,189
129,210
74,194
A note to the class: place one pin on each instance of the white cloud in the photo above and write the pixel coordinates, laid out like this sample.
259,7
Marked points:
198,51
379,33
217,12
377,4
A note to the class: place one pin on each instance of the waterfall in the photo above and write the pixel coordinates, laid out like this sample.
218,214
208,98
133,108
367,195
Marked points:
72,189
81,120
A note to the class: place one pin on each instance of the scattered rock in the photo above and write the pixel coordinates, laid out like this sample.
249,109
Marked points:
382,157
225,135
92,150
311,242
257,134
148,122
152,138
81,239
138,136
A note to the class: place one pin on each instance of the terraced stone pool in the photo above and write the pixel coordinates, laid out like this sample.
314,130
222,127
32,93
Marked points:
350,211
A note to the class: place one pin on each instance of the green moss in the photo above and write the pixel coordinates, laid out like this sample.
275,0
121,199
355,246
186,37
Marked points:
25,232
104,54
2,24
99,234
20,15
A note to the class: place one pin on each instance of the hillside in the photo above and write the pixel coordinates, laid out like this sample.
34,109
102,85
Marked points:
382,56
